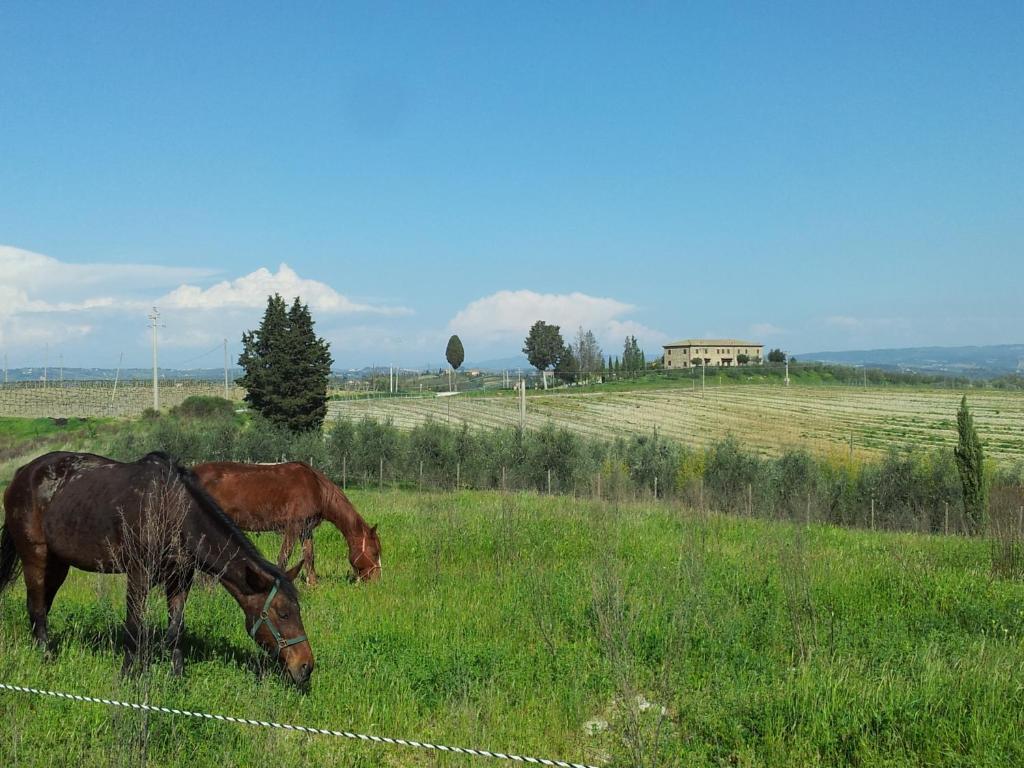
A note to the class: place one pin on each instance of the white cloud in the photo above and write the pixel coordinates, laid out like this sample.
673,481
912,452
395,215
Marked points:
46,300
508,315
37,274
250,292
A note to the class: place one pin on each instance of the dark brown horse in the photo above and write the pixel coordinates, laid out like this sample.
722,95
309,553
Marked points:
292,498
151,520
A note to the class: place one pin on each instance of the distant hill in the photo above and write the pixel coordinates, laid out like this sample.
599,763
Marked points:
982,361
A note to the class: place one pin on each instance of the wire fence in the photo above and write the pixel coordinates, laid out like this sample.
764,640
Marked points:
412,743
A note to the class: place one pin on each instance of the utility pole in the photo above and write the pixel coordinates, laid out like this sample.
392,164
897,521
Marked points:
154,323
522,404
787,368
703,366
226,370
117,375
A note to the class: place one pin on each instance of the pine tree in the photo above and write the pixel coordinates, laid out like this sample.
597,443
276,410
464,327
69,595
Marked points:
588,354
286,367
632,357
970,464
567,366
543,346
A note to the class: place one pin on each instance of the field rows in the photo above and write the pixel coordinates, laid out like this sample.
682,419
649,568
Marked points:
768,419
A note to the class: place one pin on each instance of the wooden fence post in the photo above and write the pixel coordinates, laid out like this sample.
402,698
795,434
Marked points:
458,474
655,487
504,485
421,475
549,481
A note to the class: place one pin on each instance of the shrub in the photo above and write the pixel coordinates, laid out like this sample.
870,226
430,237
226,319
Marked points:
649,458
729,472
376,441
204,407
309,447
433,446
555,450
262,441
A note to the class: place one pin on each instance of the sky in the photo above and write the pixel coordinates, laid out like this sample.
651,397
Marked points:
816,176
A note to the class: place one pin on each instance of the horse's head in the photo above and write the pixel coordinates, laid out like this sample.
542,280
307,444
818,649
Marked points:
274,622
365,556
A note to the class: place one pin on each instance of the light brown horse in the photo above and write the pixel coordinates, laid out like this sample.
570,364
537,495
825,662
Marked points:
292,498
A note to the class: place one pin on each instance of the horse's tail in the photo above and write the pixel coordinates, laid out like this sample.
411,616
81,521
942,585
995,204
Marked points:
9,561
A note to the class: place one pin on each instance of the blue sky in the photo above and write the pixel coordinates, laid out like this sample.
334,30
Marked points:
813,176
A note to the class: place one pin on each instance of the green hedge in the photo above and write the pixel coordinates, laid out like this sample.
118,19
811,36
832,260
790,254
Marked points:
908,489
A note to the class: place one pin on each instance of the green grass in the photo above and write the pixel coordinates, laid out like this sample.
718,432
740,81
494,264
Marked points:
507,622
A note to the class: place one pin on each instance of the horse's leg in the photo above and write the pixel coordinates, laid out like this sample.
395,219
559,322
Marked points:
287,545
34,568
138,589
56,572
177,588
307,556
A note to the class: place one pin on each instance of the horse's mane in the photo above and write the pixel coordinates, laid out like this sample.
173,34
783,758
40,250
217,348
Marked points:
212,509
332,497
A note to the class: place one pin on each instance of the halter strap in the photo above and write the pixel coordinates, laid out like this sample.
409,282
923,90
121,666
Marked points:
362,551
265,619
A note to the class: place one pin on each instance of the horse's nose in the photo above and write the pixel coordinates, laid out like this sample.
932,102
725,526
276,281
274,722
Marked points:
302,674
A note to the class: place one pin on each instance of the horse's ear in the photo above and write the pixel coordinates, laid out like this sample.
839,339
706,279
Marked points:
373,528
257,580
292,572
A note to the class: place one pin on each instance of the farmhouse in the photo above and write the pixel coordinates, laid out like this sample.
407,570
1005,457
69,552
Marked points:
716,352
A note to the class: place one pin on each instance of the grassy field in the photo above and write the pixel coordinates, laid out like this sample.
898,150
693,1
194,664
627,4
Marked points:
766,418
511,622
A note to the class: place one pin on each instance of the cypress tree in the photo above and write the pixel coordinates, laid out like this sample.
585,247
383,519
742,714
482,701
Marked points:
455,354
970,463
262,357
286,367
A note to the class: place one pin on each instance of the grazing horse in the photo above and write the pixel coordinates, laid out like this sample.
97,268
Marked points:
152,520
292,498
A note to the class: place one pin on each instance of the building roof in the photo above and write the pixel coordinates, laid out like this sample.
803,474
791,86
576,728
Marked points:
711,343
